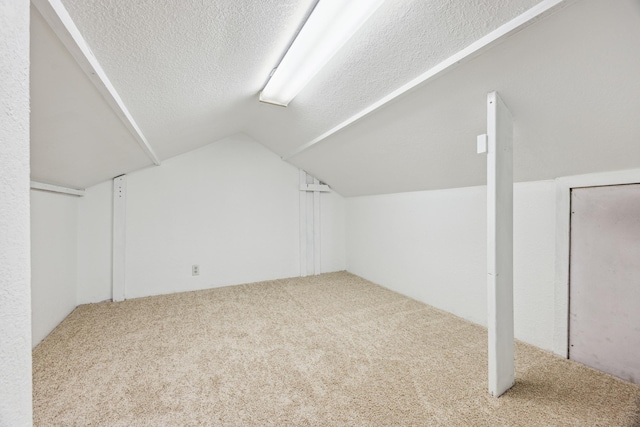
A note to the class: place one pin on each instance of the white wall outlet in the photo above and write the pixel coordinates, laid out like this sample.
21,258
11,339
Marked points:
195,270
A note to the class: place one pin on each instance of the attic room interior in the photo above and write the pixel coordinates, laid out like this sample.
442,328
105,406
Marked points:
434,220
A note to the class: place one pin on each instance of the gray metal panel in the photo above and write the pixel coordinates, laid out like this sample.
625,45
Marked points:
604,319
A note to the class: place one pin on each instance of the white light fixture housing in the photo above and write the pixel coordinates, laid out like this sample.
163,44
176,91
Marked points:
328,28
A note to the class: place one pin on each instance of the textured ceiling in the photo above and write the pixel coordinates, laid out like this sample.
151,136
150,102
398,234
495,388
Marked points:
403,39
190,71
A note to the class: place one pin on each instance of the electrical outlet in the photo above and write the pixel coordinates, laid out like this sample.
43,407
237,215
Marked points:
195,270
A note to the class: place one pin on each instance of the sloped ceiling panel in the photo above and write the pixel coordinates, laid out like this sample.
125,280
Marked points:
403,39
570,80
76,139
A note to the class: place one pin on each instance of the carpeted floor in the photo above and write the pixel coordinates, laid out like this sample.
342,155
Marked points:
329,350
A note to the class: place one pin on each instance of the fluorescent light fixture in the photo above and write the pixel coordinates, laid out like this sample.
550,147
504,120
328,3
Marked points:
328,28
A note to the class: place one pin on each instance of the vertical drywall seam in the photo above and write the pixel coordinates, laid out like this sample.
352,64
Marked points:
15,290
500,245
119,237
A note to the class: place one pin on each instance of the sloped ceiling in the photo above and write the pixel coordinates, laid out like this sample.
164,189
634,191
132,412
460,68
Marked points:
570,81
190,72
76,138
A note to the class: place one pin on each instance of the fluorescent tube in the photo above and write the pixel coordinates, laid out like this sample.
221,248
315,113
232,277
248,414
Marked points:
328,28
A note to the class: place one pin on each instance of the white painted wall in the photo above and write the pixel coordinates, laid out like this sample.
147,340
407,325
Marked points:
333,256
95,217
15,297
431,246
230,207
54,260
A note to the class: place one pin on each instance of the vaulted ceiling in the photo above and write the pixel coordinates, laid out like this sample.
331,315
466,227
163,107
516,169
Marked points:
189,73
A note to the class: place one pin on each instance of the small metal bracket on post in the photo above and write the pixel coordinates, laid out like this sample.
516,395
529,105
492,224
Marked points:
315,187
482,143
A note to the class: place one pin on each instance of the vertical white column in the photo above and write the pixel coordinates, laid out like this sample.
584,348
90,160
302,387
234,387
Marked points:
309,230
119,236
500,245
310,243
316,229
303,224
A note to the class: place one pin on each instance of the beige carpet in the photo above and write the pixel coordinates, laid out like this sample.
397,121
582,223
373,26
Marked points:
329,350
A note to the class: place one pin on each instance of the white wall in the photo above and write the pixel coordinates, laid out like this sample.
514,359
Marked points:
230,207
54,260
15,298
333,256
95,217
431,246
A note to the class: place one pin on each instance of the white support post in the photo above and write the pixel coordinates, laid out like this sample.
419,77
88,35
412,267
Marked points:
303,224
309,230
310,243
119,237
316,228
499,245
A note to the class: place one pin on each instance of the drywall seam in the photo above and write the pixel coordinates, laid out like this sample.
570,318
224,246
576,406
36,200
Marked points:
54,12
498,35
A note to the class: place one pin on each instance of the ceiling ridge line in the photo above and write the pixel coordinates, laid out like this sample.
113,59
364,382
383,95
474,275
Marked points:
520,22
56,15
